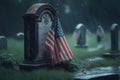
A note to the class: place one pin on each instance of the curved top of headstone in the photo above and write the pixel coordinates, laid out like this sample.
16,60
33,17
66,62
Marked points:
36,8
2,37
114,26
79,26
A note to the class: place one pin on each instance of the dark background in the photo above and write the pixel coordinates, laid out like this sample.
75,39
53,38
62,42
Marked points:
70,12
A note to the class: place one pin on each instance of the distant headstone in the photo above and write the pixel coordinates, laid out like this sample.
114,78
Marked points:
114,38
3,42
100,33
80,35
37,21
114,41
20,35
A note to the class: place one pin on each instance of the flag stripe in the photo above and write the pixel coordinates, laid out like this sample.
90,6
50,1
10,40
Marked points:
58,55
64,47
68,47
61,49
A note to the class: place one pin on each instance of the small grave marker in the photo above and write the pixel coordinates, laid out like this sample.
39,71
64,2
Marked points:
3,42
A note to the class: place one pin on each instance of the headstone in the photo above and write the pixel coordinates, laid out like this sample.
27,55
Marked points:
80,31
37,21
114,38
100,33
114,41
3,42
20,35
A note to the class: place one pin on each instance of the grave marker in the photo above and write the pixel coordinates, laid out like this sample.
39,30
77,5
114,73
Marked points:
114,38
3,42
114,41
80,35
20,35
37,21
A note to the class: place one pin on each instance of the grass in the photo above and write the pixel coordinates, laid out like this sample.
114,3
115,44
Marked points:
16,48
82,54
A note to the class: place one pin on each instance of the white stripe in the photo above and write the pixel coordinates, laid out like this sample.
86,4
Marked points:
49,39
66,48
50,46
50,35
62,50
59,53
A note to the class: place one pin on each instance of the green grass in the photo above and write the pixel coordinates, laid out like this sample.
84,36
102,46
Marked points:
16,48
42,74
82,54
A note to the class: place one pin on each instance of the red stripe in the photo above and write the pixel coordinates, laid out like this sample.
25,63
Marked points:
51,36
50,43
59,50
64,47
62,51
57,54
68,47
51,51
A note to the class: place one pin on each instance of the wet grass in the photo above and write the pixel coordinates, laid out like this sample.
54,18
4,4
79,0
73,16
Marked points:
16,47
83,53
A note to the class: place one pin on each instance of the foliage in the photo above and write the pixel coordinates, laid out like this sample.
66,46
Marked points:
16,50
7,59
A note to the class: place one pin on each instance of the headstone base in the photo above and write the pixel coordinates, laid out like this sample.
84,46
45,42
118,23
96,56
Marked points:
81,46
26,66
111,55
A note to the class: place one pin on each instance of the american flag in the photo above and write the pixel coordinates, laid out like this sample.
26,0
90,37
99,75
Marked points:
57,45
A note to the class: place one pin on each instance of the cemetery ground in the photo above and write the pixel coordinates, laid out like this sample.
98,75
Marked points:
15,55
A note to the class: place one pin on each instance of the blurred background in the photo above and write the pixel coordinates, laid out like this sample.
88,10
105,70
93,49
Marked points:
71,12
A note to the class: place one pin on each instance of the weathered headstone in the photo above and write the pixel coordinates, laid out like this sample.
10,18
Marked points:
80,31
37,21
114,38
114,41
3,42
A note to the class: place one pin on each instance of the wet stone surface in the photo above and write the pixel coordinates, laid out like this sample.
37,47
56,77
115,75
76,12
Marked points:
94,59
99,73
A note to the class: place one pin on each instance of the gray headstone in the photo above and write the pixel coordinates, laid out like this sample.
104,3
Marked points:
37,21
3,42
81,41
114,38
114,42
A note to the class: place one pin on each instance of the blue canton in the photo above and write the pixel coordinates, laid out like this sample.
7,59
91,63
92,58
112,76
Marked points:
59,31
